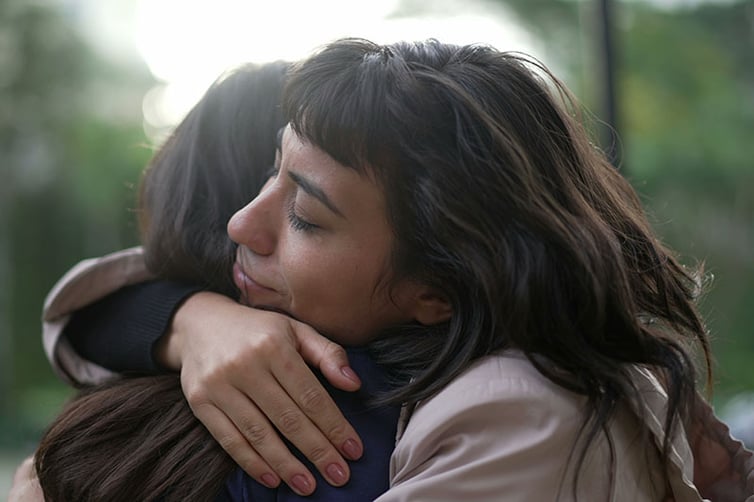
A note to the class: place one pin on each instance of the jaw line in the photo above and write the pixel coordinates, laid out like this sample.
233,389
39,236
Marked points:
276,310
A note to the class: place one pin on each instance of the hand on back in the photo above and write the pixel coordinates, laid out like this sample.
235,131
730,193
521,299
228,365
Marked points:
245,375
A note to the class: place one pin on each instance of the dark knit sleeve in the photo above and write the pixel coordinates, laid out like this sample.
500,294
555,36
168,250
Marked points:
119,331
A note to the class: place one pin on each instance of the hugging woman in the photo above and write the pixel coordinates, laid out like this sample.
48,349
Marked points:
439,206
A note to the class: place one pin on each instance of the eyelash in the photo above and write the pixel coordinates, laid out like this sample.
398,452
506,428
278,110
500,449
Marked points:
298,224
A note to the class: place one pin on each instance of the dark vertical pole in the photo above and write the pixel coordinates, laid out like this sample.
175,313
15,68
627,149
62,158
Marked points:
606,50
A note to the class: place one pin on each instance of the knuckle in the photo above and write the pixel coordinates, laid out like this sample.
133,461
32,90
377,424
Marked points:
312,400
336,432
283,468
197,389
265,344
336,351
197,398
226,443
255,433
290,422
318,454
251,464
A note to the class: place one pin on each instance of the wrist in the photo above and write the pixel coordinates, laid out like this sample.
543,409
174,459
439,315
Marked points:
167,350
170,348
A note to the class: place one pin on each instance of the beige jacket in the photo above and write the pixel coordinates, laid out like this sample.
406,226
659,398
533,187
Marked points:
87,282
500,431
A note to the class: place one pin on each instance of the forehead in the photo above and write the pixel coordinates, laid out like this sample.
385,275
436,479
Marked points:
351,190
349,147
301,156
293,144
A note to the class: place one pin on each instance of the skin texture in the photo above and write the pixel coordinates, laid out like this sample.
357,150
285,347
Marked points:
317,221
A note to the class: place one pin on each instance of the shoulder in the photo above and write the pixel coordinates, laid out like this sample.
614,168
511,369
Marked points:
495,383
94,278
88,281
501,425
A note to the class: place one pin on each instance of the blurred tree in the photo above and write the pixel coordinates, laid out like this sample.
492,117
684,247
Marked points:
689,102
69,155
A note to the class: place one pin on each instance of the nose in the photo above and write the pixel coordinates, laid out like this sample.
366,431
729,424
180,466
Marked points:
254,225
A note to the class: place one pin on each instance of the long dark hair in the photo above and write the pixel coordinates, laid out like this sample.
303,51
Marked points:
130,439
136,438
214,163
498,199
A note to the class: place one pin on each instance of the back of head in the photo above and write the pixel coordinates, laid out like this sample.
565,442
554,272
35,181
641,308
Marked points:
137,438
499,200
130,439
216,160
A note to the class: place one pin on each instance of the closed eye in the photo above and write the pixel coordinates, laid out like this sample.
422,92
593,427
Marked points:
298,223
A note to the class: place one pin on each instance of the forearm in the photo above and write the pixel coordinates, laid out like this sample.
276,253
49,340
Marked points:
194,315
120,331
84,284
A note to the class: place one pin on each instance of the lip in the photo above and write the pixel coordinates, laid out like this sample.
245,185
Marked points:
250,289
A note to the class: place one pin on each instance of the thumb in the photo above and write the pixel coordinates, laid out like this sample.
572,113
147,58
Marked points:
329,357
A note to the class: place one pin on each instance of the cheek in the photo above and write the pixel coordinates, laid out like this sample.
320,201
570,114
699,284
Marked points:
309,269
331,281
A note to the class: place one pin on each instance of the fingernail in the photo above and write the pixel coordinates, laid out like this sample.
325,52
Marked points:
269,480
350,374
352,449
336,473
302,484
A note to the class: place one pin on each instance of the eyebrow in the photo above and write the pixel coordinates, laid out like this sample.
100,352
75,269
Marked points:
315,191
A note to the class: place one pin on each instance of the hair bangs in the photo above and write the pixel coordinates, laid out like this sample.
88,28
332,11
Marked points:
341,103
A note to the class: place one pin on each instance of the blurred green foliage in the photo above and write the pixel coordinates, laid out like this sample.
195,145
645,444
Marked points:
70,155
689,134
685,85
71,151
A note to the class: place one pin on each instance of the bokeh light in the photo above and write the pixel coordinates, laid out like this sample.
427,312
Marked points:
187,45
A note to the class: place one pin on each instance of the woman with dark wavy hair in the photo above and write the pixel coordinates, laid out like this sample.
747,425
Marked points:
438,204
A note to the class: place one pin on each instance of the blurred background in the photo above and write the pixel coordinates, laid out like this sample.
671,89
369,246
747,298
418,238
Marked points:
87,88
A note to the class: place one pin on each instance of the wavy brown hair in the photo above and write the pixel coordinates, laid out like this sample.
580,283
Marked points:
499,200
213,164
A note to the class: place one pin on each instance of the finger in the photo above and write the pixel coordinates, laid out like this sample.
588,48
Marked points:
304,413
311,404
329,357
260,434
233,442
298,381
